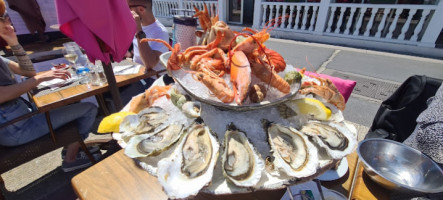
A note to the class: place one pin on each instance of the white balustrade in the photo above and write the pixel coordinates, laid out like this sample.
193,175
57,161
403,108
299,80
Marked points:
396,23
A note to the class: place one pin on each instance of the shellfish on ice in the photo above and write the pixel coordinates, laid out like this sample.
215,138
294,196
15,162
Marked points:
191,165
336,139
293,153
241,163
150,119
153,144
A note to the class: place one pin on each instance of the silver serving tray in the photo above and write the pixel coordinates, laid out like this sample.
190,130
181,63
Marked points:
231,106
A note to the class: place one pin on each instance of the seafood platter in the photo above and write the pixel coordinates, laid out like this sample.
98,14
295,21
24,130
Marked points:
257,124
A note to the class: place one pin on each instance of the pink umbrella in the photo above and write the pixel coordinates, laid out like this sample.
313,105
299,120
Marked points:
103,28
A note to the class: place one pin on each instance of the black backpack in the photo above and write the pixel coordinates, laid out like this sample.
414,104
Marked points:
396,117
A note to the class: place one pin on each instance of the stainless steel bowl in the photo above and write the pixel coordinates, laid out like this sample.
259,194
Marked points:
400,167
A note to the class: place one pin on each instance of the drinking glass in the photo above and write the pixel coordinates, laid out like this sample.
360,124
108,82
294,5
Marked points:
71,56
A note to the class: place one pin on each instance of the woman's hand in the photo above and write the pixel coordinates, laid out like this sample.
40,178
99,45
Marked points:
8,34
53,74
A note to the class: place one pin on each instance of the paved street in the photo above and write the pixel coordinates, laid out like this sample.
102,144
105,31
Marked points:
378,74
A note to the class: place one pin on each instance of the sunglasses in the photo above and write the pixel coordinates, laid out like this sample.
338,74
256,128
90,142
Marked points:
133,6
5,18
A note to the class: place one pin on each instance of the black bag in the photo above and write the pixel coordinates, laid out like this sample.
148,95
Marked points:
396,117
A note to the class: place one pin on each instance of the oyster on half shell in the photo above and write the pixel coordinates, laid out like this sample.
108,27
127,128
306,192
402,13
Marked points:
191,166
192,109
336,139
241,163
153,144
150,119
293,153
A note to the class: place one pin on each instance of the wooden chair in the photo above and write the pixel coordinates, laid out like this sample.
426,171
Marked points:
11,157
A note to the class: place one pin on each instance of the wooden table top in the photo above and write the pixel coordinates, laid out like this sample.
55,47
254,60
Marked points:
119,177
76,93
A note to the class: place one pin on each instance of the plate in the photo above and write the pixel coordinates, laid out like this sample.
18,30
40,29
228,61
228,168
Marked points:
65,68
182,77
332,174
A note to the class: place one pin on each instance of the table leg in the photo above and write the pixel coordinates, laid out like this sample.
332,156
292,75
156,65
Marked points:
102,104
51,130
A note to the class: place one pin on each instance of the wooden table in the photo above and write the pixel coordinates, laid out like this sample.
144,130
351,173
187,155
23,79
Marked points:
74,94
119,177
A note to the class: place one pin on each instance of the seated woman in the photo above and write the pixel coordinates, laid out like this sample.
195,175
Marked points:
428,134
12,106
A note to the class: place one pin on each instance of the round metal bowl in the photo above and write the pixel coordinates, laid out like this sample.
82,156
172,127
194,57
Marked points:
399,167
228,106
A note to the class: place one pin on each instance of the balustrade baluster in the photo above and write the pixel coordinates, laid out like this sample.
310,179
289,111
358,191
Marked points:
349,22
283,16
297,16
405,27
305,18
314,15
340,20
290,18
359,21
420,25
386,13
277,15
263,21
270,14
371,22
397,14
331,19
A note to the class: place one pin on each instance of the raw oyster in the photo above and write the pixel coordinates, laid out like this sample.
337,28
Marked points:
153,144
241,163
150,119
337,140
191,166
192,109
293,152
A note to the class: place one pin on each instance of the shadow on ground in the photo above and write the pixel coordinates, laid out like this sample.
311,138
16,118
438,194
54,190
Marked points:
54,185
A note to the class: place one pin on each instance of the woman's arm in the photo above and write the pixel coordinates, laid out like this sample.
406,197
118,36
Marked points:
14,91
24,66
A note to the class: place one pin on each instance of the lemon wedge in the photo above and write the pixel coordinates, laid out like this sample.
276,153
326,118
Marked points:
112,122
313,108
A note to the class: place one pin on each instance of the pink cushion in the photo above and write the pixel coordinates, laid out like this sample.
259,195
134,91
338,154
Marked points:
344,86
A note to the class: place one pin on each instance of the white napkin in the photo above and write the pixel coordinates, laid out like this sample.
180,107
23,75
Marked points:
53,82
126,69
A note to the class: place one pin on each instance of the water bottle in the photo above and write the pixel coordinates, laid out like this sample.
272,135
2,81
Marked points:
83,74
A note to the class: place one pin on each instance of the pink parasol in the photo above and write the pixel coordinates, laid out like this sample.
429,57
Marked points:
86,21
103,28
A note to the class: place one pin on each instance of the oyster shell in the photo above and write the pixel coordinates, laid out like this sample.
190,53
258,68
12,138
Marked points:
241,163
293,153
153,144
192,109
336,139
191,166
150,119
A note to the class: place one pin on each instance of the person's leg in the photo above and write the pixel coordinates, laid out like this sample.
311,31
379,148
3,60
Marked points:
84,113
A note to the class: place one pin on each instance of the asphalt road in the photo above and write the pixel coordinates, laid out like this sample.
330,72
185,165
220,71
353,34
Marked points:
381,71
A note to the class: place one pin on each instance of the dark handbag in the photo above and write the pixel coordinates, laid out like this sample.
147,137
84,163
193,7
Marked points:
396,117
